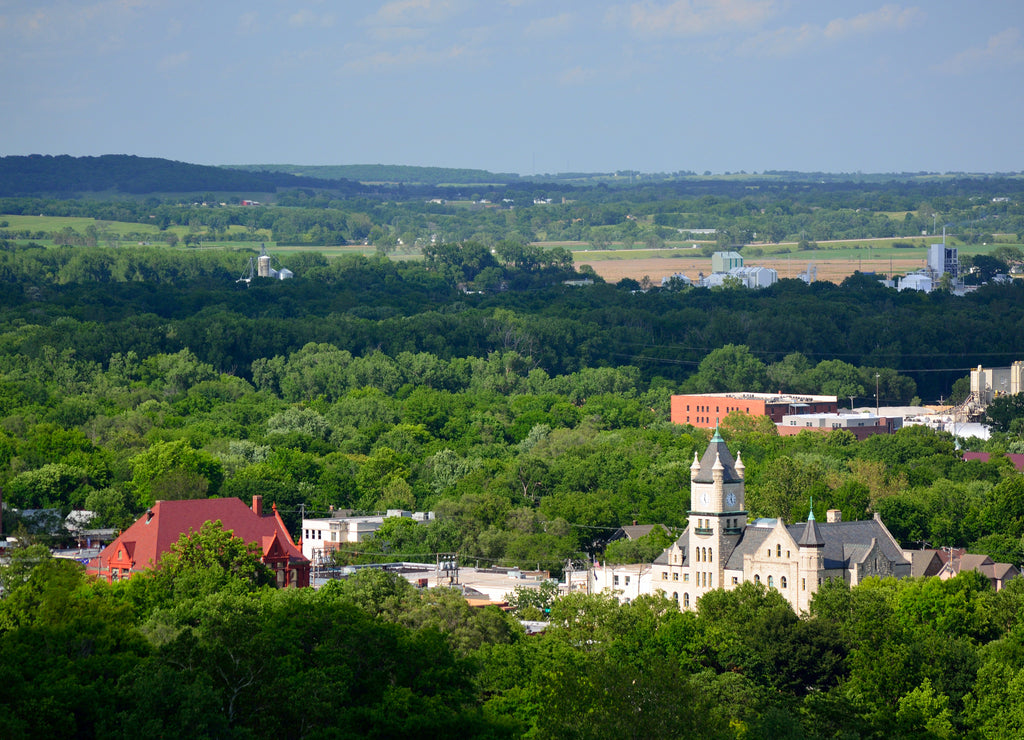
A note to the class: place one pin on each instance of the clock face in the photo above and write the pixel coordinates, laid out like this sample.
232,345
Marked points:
731,499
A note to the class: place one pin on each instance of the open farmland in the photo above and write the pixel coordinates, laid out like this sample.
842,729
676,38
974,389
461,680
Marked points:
834,269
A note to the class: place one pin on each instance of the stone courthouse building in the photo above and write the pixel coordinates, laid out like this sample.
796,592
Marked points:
721,548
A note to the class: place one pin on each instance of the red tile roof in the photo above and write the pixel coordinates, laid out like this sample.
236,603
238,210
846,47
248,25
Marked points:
1016,459
163,524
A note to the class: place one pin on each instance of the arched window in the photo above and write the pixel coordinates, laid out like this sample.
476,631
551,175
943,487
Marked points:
782,582
757,578
675,596
778,551
771,582
711,557
686,599
704,554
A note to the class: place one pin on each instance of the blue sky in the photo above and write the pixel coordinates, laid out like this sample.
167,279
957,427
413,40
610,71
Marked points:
528,86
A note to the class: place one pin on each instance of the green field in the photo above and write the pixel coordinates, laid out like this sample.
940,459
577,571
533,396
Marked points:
80,224
855,249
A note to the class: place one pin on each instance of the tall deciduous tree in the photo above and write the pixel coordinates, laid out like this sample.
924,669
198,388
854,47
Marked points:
731,368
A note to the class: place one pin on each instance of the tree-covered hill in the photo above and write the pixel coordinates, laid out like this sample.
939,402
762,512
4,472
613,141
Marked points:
386,173
65,175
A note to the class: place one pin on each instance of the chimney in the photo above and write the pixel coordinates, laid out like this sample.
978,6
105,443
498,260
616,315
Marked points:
257,505
833,515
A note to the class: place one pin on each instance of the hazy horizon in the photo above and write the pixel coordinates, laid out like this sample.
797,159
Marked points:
522,86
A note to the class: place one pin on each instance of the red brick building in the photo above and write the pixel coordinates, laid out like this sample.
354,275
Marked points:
141,546
860,426
706,410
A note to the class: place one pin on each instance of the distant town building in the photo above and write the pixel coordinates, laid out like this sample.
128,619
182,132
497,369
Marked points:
721,549
861,425
916,281
677,278
726,266
956,561
707,410
725,261
988,383
943,260
321,536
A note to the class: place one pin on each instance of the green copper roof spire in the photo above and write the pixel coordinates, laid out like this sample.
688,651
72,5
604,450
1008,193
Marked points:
810,517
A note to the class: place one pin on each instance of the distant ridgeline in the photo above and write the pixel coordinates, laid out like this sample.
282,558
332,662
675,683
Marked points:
387,173
64,175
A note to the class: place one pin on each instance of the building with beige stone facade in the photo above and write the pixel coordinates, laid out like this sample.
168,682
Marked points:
721,549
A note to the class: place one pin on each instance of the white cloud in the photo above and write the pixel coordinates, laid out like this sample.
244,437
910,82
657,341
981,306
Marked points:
55,22
172,61
792,39
887,18
1002,49
397,33
305,18
693,17
552,26
412,12
575,76
407,58
248,23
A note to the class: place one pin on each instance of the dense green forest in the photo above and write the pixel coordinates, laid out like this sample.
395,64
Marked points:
200,649
532,418
535,419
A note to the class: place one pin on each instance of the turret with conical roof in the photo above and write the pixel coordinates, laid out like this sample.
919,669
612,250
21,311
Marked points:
811,536
812,560
716,450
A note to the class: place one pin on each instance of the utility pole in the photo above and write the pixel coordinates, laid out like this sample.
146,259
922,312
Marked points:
877,376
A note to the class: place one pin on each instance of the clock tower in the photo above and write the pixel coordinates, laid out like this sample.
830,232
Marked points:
717,515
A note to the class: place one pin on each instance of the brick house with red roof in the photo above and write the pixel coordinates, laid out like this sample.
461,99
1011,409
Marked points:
141,546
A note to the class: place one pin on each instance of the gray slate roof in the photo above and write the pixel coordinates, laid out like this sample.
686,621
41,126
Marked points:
684,545
845,542
717,448
636,531
811,535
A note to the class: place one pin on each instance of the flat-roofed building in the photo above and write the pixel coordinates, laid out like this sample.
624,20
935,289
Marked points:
706,410
861,425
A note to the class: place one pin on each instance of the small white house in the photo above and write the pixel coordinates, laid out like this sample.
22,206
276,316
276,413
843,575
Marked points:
916,281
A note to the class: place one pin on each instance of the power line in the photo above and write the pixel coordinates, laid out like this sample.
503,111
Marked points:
771,352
